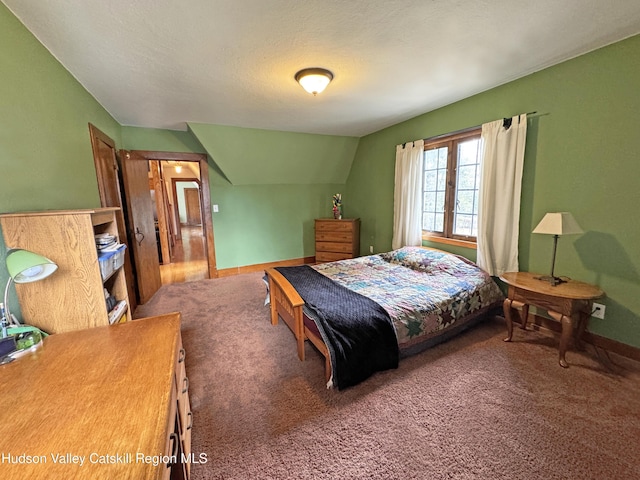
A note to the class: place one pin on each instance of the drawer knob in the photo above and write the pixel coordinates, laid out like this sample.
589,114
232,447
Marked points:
174,447
190,415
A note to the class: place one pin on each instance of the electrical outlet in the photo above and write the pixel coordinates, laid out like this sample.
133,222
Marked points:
597,310
370,248
215,209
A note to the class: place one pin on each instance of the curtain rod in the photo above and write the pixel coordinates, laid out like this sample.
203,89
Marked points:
465,130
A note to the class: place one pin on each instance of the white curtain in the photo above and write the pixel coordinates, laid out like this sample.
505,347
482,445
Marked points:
500,187
407,195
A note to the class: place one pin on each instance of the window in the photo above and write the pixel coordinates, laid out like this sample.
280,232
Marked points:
451,180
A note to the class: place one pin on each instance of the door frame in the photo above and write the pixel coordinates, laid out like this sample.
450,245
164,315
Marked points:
174,191
104,184
207,219
190,205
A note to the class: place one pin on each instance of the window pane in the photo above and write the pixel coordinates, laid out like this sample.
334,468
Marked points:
434,185
433,222
463,224
442,157
468,152
429,202
439,226
439,201
467,184
465,202
467,177
442,180
431,159
430,180
428,221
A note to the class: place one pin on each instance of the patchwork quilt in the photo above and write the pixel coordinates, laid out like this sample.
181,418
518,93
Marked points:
425,292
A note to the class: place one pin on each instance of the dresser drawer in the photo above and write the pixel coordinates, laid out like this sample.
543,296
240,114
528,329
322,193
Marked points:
184,417
171,447
334,247
334,226
336,239
331,256
328,236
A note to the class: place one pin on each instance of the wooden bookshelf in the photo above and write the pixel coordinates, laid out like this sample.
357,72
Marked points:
73,297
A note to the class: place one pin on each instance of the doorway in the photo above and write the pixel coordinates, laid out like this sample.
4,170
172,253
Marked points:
184,254
130,181
187,259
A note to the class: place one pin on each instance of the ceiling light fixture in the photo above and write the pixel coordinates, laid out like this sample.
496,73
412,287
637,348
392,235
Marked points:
314,80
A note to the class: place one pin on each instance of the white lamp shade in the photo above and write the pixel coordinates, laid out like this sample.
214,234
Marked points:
25,266
558,223
314,80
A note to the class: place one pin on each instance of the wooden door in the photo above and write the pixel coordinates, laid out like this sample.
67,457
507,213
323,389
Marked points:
141,225
157,184
107,173
192,205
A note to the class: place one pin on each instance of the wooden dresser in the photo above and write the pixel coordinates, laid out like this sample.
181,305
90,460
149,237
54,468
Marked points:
337,239
102,403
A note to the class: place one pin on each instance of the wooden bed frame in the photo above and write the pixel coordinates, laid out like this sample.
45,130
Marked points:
287,304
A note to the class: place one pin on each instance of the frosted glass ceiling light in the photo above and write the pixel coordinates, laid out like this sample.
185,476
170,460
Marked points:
314,80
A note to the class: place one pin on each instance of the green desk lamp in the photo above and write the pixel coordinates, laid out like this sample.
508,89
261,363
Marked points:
23,267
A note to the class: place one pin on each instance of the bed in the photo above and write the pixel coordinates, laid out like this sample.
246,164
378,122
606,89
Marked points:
379,308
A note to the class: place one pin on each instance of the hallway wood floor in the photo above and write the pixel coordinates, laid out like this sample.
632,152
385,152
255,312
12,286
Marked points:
189,259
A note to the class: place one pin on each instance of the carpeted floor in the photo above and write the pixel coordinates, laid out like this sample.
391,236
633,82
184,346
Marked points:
472,408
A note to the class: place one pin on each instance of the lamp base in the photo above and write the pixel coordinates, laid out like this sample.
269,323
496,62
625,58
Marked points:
553,281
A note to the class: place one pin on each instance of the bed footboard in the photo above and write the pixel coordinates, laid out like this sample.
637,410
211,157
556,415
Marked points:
287,304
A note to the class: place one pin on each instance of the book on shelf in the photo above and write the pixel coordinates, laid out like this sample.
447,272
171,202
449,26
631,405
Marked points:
117,312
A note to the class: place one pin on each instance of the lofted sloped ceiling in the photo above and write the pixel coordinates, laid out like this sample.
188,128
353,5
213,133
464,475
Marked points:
163,63
256,156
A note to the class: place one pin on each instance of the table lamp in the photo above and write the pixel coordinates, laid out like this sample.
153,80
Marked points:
24,267
556,224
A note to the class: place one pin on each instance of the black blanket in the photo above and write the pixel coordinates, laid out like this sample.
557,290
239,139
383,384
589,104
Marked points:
358,332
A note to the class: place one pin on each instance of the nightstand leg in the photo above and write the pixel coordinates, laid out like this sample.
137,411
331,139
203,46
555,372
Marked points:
524,315
506,306
582,326
565,337
509,306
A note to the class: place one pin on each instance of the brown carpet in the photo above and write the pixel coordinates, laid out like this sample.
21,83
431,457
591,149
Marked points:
472,408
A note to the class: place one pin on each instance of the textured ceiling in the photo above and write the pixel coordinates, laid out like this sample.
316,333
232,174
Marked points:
161,63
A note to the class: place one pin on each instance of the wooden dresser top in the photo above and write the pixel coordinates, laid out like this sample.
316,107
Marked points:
93,393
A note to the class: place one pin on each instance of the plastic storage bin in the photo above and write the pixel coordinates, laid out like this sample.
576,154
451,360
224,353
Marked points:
111,261
118,258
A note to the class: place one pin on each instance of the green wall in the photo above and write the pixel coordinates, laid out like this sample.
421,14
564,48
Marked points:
256,223
45,151
581,156
46,160
137,138
264,223
250,156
